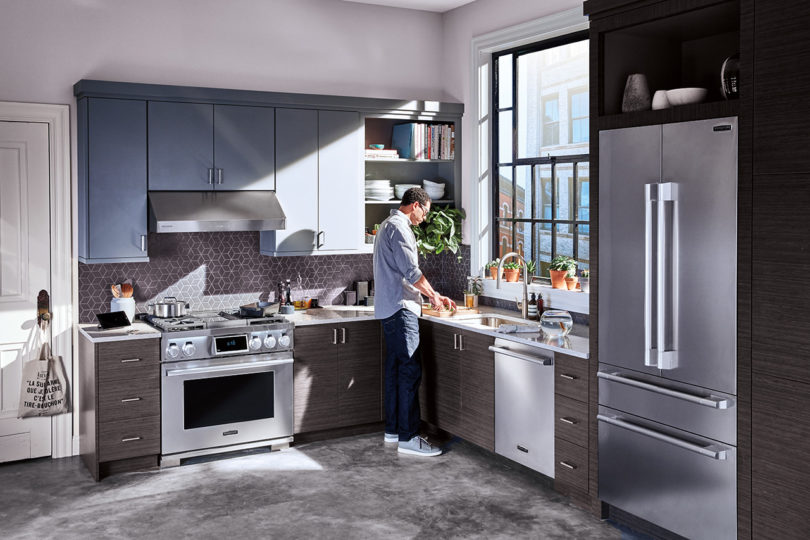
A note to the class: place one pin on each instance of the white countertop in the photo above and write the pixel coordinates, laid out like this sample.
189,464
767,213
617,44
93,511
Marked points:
573,345
138,330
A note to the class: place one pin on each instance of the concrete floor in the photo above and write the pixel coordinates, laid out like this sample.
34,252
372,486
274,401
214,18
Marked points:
354,487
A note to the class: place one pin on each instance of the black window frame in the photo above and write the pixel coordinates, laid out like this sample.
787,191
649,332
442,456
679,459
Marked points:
553,161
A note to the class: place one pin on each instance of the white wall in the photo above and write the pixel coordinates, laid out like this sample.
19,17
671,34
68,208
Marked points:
306,46
459,27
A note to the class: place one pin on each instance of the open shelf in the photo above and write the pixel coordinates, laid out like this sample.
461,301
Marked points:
401,160
396,201
683,113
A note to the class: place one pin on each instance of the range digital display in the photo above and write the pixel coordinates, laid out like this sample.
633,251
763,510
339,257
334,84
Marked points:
230,344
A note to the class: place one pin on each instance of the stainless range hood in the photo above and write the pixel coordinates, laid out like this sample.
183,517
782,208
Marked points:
209,211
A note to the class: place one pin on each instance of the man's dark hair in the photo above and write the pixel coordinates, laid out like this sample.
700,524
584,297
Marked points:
415,194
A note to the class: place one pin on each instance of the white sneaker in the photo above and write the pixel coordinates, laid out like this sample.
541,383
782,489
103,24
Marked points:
418,447
392,437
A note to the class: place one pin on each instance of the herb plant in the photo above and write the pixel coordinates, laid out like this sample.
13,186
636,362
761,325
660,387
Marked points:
441,230
563,262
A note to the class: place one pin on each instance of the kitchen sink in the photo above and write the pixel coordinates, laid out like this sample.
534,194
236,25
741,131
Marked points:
493,321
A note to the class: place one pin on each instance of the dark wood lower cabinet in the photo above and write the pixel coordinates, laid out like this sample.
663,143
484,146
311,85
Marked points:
781,478
337,376
457,393
119,426
571,428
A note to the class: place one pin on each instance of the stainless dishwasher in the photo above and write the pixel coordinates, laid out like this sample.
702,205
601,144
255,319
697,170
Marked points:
524,405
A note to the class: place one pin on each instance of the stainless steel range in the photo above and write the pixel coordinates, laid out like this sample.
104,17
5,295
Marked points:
226,384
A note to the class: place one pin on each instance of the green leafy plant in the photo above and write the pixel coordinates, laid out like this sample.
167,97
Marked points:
531,267
563,262
441,230
493,263
586,273
474,285
511,266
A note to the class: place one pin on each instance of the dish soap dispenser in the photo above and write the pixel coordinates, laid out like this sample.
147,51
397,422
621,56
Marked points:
532,308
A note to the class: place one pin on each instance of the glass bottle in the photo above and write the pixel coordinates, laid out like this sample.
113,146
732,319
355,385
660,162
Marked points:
531,313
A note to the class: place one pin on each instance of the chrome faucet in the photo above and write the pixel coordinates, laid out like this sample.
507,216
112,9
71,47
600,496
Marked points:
524,307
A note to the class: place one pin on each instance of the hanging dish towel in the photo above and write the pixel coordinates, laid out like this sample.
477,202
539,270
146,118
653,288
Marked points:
515,328
44,386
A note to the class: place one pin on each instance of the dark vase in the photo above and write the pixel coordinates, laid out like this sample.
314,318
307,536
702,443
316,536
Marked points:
636,94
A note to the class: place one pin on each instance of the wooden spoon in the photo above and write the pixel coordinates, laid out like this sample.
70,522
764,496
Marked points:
115,291
126,290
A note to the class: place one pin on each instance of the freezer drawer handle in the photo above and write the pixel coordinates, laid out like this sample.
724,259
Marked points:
719,403
539,360
702,450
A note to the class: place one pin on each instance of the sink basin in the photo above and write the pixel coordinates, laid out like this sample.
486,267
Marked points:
493,321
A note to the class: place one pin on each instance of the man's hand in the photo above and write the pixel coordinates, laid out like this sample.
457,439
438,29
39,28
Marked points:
439,301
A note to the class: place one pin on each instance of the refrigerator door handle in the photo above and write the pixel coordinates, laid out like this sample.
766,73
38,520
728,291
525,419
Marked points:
667,276
650,275
711,402
708,451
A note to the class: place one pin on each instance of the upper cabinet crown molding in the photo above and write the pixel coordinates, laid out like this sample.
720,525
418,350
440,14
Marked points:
159,92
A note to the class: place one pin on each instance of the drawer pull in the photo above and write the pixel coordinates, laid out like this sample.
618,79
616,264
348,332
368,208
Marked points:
567,376
568,421
568,465
523,449
130,360
128,400
130,439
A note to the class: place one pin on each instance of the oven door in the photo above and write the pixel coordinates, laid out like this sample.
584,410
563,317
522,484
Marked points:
225,401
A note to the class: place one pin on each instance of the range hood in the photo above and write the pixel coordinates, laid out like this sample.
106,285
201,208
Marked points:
209,211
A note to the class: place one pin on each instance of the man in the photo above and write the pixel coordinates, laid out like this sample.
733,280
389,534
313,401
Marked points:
398,283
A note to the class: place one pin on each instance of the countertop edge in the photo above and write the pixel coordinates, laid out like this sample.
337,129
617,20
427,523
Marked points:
145,332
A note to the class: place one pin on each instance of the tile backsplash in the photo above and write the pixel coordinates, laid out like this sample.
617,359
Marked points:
223,270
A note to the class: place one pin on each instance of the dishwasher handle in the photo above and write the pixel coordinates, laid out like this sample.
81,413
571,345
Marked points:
540,360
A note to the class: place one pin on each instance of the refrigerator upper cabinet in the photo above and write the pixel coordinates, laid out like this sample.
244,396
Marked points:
628,160
701,158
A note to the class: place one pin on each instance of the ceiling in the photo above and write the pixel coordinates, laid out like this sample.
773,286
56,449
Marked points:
439,6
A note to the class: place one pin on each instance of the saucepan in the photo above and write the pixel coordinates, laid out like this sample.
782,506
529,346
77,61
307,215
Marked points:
169,307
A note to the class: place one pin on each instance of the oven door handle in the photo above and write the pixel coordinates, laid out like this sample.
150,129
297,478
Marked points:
230,367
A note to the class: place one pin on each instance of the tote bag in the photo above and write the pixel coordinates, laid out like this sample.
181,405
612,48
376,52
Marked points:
44,386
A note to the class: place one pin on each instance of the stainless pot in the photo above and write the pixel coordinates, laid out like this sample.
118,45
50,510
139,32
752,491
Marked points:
169,307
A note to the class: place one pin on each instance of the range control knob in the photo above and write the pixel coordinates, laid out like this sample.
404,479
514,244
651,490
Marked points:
284,341
270,341
255,343
189,349
173,350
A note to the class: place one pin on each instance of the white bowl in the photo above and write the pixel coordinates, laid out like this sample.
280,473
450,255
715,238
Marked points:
429,184
684,96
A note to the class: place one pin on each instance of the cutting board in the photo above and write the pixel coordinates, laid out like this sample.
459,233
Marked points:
460,310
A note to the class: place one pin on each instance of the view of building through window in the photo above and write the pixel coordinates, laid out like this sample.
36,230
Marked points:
540,150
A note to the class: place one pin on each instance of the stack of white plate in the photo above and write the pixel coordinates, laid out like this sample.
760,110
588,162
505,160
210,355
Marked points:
435,190
379,190
400,189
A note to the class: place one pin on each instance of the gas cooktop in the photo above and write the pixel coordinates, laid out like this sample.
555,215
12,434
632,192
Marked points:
199,320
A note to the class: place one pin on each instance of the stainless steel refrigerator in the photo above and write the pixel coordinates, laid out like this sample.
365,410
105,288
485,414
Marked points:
667,325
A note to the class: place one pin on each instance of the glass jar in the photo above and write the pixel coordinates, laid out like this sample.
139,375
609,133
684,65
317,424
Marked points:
556,323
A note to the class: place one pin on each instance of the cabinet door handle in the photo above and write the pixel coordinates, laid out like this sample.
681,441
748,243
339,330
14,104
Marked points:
219,176
128,400
129,360
130,439
210,176
461,342
343,335
455,342
567,376
321,238
568,465
334,336
143,242
568,421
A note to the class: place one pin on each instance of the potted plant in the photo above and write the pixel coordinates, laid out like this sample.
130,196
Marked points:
474,288
562,267
491,268
531,268
511,271
584,281
441,230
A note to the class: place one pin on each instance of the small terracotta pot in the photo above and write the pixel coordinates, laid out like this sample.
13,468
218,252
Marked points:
558,278
511,274
493,272
571,283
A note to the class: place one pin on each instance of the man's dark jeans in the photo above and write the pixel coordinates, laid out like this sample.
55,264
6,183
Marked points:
403,372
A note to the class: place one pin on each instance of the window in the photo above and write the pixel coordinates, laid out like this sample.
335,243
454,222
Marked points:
540,151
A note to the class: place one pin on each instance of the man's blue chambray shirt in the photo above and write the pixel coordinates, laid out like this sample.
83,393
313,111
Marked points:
396,268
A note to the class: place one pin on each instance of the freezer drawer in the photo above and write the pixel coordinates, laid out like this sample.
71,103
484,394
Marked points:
681,482
690,408
524,405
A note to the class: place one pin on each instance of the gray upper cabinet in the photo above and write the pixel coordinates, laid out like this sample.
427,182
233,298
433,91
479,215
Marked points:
200,146
112,180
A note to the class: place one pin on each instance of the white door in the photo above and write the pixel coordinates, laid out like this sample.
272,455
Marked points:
24,271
